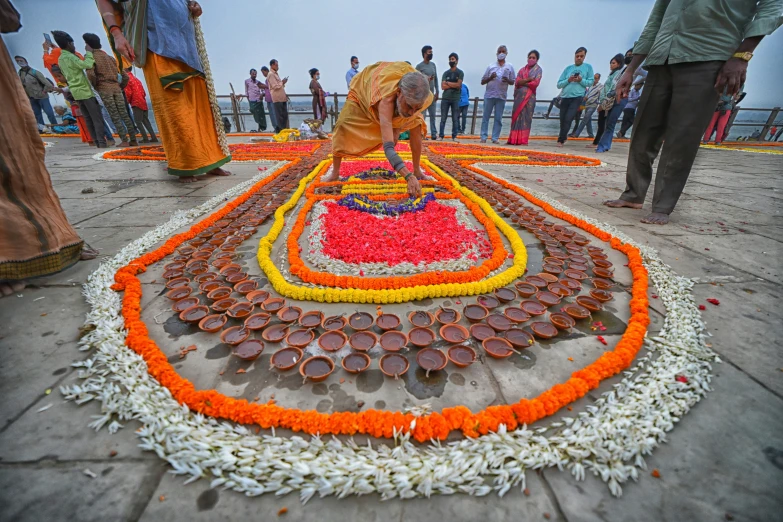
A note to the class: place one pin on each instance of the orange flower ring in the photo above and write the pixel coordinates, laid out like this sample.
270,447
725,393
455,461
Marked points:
375,422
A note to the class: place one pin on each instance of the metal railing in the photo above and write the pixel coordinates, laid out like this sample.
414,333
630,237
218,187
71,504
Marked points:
237,114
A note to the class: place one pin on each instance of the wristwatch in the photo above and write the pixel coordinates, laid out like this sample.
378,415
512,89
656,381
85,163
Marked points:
743,56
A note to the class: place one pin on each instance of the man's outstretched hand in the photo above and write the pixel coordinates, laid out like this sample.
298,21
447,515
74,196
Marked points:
414,187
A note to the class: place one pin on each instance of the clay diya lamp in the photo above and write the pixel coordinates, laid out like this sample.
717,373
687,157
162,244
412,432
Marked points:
475,313
184,304
212,323
558,254
332,341
174,266
387,322
236,277
360,321
482,331
580,240
206,276
176,283
235,335
547,298
591,303
194,314
178,293
579,259
273,304
333,323
186,250
596,256
246,286
543,330
275,333
257,297
505,295
526,289
462,356
311,319
221,262
286,358
421,319
219,293
579,266
499,323
289,314
363,341
431,360
421,337
519,338
560,290
249,350
549,278
393,341
533,307
552,269
576,311
448,316
602,263
230,269
604,273
571,284
497,347
601,295
575,274
454,333
239,310
223,305
355,362
553,261
257,321
393,365
201,255
488,302
172,274
300,338
536,281
603,284
561,320
516,315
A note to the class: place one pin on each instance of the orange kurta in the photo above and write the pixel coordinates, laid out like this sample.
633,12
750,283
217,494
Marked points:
182,110
358,128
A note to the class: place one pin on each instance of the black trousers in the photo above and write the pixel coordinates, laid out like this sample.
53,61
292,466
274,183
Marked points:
568,110
281,114
93,117
142,120
445,106
676,106
601,126
463,112
628,117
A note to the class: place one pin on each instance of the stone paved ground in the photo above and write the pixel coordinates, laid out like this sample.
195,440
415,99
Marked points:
725,459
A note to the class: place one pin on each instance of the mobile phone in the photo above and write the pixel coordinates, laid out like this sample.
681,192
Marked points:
48,39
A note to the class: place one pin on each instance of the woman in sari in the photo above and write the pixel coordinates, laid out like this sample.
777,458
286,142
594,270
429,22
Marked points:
319,96
528,79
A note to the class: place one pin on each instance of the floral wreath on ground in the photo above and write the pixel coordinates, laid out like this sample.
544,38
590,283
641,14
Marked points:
610,438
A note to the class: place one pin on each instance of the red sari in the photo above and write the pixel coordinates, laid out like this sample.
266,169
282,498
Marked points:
524,104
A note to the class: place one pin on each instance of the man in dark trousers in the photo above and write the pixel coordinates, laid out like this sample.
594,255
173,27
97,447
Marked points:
692,50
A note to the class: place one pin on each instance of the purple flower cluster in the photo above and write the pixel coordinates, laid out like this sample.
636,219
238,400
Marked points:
365,204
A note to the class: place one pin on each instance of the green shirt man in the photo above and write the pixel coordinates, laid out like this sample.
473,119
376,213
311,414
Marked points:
73,69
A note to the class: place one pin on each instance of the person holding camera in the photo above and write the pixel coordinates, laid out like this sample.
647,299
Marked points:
574,82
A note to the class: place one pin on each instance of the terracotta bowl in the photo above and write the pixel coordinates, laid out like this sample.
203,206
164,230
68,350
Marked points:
475,313
505,295
487,301
246,286
393,365
249,350
286,358
178,293
257,297
519,338
533,307
499,322
462,356
448,316
516,315
361,321
547,298
431,359
184,304
536,281
219,293
335,322
421,319
526,289
603,284
387,322
363,341
481,331
561,320
332,341
393,341
175,283
355,362
543,330
571,284
207,286
604,273
454,333
273,304
275,333
223,305
311,319
576,311
240,310
601,295
289,314
235,335
300,338
212,323
497,347
317,368
194,314
258,321
421,337
592,304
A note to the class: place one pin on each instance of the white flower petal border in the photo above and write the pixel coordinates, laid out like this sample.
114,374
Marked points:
610,438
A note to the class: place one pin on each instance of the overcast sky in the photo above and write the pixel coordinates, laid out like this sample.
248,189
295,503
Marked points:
301,34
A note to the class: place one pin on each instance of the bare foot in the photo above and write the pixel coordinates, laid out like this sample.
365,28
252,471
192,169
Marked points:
328,178
619,203
656,218
560,144
11,287
219,172
88,253
188,179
